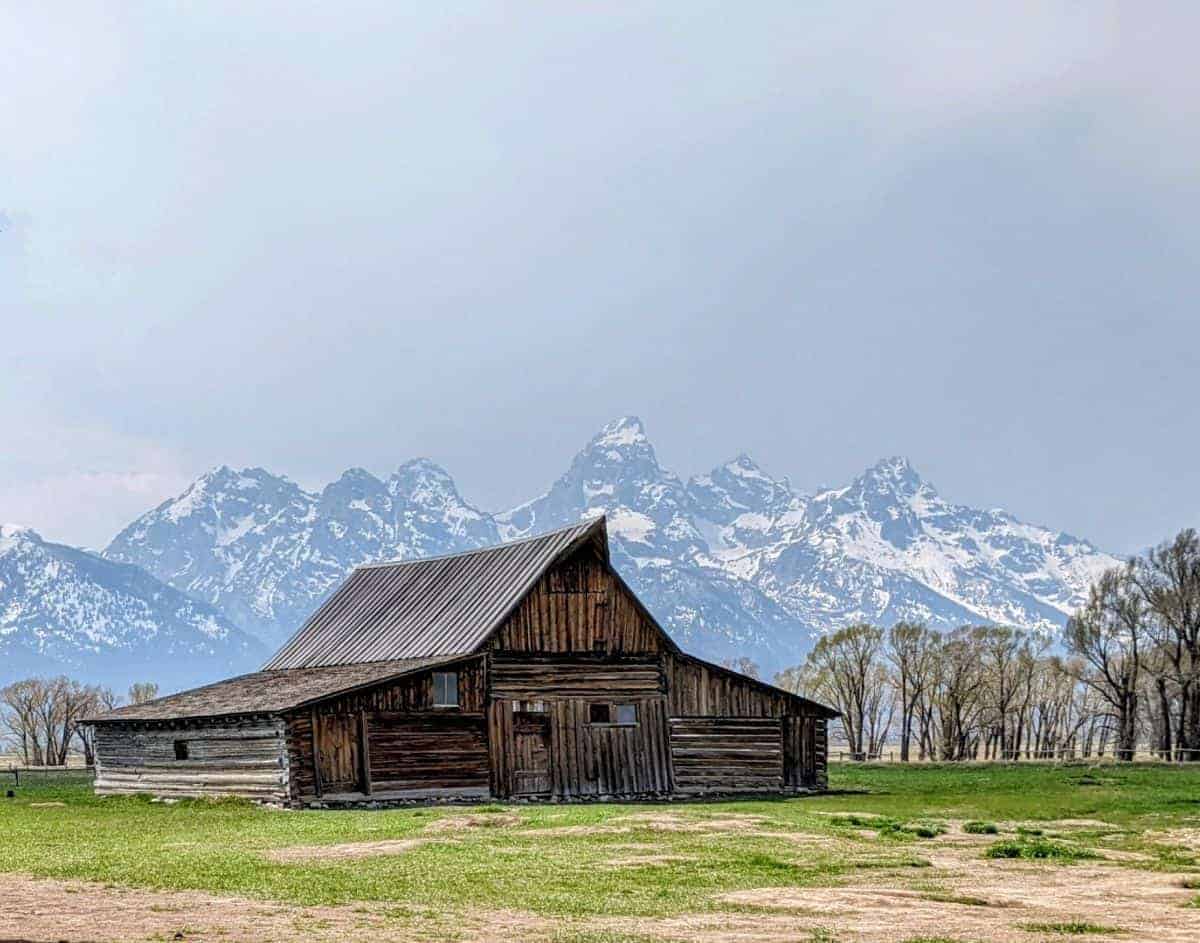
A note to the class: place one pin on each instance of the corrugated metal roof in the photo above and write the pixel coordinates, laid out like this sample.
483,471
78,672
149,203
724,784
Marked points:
268,692
430,607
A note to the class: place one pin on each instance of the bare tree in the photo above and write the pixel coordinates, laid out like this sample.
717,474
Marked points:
912,650
1169,580
840,669
1107,634
142,691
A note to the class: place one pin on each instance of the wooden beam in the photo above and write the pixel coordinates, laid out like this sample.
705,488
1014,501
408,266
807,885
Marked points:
364,751
316,757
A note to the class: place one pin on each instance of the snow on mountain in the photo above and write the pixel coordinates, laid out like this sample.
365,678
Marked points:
733,562
660,548
64,610
888,547
266,552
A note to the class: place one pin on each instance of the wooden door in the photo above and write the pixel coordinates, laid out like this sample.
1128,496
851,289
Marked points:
531,754
338,744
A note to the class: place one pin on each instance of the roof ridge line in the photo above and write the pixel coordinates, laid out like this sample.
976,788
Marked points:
490,547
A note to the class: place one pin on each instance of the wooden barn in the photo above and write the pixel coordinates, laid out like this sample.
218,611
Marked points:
528,670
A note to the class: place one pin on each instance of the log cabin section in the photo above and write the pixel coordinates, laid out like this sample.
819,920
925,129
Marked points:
526,671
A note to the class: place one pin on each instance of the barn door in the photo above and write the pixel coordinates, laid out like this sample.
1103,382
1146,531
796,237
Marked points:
531,754
337,736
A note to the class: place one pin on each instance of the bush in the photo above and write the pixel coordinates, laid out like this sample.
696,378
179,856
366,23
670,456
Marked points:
981,828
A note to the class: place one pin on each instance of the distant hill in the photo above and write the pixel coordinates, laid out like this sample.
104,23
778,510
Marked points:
68,611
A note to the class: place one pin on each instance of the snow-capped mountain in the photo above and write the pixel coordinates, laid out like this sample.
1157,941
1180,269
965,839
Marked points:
888,547
660,547
266,552
64,610
734,562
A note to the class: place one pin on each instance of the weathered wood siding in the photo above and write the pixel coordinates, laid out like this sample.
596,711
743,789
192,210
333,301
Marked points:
697,690
579,606
413,748
701,690
230,757
727,754
584,760
433,753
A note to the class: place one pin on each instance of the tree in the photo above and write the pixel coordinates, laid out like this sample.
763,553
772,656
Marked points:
1169,580
841,668
912,650
142,691
43,716
1107,633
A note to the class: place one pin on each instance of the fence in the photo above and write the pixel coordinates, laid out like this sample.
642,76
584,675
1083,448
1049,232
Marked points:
1066,754
13,774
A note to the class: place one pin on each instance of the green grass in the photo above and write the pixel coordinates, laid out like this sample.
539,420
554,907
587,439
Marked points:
1038,849
220,846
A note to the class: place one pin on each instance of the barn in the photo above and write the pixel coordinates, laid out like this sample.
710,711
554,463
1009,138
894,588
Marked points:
527,670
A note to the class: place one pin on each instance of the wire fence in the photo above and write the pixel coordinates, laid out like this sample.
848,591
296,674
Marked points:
16,774
1063,755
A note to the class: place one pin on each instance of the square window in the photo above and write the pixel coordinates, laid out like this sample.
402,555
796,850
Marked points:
600,713
627,715
445,689
181,749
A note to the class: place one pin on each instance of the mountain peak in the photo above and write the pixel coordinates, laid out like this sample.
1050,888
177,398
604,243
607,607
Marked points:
895,473
626,430
12,534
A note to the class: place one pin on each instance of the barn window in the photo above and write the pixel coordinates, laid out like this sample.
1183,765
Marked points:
181,749
600,713
445,689
627,715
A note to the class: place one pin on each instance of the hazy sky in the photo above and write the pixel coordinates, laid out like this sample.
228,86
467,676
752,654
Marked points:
309,236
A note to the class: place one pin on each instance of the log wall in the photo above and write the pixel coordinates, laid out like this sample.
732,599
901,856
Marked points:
727,754
414,749
234,757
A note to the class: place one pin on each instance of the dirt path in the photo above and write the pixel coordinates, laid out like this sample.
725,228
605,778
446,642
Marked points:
47,911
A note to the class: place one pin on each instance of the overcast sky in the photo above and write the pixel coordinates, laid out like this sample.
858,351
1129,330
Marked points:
309,238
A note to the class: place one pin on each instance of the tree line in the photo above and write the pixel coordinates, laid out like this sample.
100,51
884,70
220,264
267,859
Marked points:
1126,672
41,719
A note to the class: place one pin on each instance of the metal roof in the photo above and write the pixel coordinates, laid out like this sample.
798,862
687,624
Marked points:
268,692
429,607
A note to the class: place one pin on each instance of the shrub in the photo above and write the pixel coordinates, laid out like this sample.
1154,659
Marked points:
981,828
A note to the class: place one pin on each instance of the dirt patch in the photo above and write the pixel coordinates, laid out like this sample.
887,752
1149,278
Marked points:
567,830
47,805
672,822
649,861
1093,824
962,896
303,854
1188,838
43,910
454,823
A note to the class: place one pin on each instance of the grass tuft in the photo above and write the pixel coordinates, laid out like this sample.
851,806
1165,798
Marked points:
1071,928
977,827
1038,849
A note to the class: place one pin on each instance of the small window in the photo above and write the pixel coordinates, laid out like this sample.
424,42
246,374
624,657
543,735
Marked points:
627,715
181,749
600,713
599,646
445,689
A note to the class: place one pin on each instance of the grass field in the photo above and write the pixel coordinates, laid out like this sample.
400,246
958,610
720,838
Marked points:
964,853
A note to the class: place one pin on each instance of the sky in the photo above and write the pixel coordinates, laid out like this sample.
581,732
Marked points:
313,236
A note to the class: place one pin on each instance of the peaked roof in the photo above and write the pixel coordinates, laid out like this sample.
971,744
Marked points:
431,607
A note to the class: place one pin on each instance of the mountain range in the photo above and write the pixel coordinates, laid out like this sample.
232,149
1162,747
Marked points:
734,563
